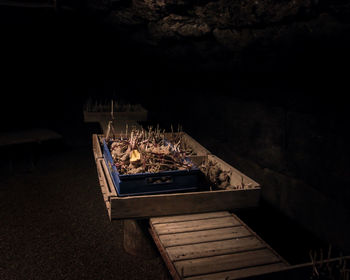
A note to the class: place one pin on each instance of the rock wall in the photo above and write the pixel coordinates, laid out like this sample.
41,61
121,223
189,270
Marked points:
226,30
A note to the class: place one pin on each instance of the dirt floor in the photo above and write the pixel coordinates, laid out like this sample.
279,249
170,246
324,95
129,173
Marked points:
54,224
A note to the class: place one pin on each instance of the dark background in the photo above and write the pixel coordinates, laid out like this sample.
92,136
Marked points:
280,115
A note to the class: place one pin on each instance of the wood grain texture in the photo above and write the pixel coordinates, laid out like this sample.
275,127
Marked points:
186,238
110,185
196,225
225,262
240,273
182,203
96,146
103,185
164,254
214,248
189,217
198,148
198,250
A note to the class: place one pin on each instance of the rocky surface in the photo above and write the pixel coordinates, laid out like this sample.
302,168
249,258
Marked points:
203,29
177,26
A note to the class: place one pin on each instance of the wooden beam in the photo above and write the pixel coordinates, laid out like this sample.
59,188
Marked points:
186,238
164,255
228,262
193,217
214,248
182,203
189,226
240,273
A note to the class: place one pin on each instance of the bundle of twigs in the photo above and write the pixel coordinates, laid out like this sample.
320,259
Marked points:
179,138
147,151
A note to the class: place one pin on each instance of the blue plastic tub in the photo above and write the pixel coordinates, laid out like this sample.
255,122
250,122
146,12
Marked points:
150,183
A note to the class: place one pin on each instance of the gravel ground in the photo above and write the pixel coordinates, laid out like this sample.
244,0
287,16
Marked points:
54,225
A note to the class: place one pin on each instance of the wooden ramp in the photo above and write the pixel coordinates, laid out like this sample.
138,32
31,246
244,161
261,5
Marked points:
216,245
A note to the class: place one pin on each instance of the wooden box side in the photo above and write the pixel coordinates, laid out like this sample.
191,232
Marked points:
182,203
237,177
140,115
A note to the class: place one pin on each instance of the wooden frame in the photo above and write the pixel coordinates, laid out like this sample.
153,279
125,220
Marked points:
146,206
140,115
186,244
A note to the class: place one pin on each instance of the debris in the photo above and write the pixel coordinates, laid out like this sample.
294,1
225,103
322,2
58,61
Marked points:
147,152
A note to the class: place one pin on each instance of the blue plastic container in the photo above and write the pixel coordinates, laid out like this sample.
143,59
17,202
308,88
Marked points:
150,183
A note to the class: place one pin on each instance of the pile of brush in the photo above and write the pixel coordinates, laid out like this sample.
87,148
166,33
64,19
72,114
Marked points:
221,179
179,138
147,151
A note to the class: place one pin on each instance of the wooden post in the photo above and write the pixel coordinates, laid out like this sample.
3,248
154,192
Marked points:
137,241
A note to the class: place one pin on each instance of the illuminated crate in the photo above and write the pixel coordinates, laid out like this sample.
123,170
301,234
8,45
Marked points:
150,183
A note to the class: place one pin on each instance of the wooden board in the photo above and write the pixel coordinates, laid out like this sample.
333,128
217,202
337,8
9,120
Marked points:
96,147
140,115
146,206
186,238
195,225
28,136
106,193
216,245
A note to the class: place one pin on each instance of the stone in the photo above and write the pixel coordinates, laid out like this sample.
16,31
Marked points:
233,14
154,10
126,17
179,26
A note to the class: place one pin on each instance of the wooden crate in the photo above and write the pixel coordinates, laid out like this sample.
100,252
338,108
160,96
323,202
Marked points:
139,115
146,206
216,245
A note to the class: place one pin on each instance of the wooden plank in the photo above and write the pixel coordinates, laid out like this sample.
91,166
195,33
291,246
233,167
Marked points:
28,136
164,254
204,236
189,226
109,179
102,178
198,148
225,262
182,203
214,248
96,146
240,273
183,218
104,188
140,115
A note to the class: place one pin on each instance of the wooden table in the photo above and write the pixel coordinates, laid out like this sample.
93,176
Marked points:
215,245
9,140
